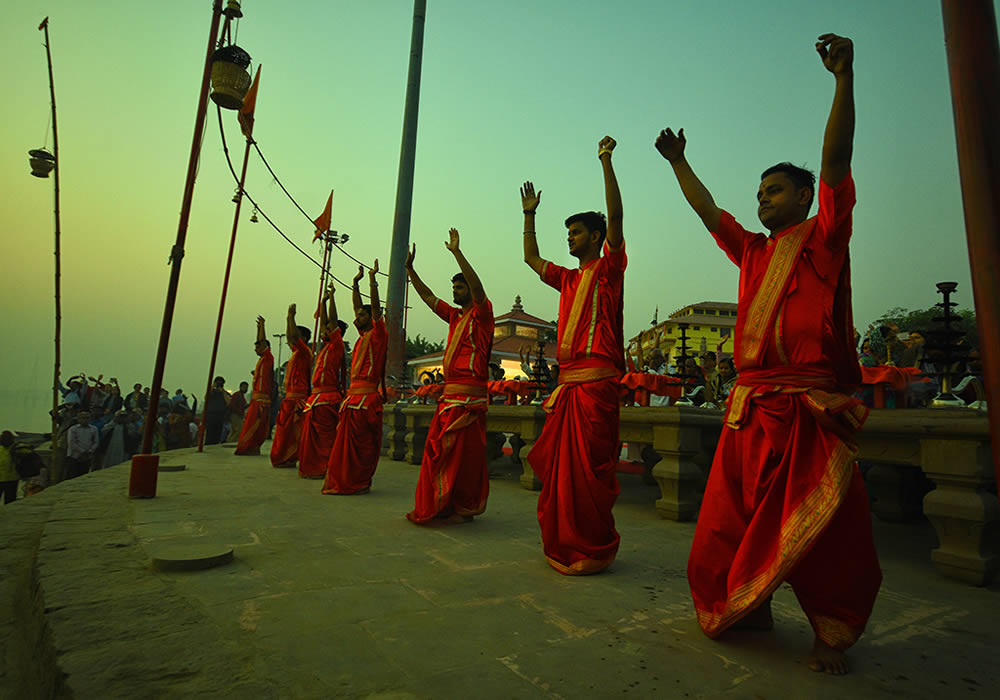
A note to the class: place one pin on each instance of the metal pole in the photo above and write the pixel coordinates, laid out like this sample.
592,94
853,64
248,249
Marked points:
44,26
404,200
222,299
322,284
970,32
142,482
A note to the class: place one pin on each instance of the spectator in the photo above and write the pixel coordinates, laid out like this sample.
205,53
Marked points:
216,411
144,399
115,434
76,392
657,365
135,400
238,404
115,402
725,380
81,444
9,477
709,371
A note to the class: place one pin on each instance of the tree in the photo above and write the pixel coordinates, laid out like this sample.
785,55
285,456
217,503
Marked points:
923,321
419,345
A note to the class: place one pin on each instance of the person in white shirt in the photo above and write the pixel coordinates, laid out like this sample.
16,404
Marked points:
81,443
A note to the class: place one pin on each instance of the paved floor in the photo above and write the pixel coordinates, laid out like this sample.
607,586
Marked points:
333,596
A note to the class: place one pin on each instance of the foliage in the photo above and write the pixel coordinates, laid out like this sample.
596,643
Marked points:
923,320
419,345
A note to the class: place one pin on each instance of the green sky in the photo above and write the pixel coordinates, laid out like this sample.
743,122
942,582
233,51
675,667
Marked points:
511,90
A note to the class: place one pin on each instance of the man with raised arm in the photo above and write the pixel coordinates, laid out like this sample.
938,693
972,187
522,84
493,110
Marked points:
785,500
577,453
319,421
256,423
454,480
358,443
288,427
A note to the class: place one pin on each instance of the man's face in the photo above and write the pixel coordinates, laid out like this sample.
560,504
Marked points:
137,388
708,364
243,387
581,240
362,319
259,348
726,369
779,203
460,293
83,418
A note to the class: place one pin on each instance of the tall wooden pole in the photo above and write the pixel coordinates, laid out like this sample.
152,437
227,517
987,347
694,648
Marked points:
222,299
395,299
44,26
142,481
970,32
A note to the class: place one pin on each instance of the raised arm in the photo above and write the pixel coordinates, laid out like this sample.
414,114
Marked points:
837,53
324,319
671,147
355,291
331,317
261,333
291,330
373,292
419,287
529,203
475,284
612,195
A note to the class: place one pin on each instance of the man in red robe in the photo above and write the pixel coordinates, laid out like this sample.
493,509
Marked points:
576,455
785,500
358,443
319,421
454,481
256,423
288,427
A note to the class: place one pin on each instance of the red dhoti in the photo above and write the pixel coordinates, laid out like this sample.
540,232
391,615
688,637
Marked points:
785,501
575,459
287,431
255,427
319,428
356,449
453,474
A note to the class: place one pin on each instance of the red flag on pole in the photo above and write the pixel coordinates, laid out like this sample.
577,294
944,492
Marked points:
323,221
249,104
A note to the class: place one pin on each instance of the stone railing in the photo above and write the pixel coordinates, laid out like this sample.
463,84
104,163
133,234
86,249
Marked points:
677,444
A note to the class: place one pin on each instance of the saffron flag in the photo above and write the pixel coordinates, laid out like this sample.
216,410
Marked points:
323,220
249,104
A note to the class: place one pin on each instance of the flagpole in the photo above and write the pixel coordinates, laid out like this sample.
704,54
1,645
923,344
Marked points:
222,299
145,465
322,282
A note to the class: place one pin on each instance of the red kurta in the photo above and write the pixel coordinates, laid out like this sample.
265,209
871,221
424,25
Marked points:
257,421
785,499
288,427
577,453
358,443
453,474
319,420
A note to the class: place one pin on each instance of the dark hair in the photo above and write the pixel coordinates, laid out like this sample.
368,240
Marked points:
460,278
218,380
265,341
710,355
242,383
368,308
728,361
304,333
6,438
800,177
592,220
342,326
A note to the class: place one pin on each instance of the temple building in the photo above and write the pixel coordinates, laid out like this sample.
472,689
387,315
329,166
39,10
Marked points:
710,325
510,332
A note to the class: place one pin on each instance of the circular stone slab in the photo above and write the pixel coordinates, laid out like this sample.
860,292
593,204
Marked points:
172,467
190,556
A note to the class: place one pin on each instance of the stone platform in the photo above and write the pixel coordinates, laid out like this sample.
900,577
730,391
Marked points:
337,596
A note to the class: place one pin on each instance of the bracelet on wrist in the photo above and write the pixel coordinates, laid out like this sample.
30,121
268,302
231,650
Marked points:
603,151
527,232
529,211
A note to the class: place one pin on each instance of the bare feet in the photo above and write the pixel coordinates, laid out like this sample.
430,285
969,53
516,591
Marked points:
759,618
824,658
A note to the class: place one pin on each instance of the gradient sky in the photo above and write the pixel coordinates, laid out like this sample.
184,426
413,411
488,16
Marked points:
511,91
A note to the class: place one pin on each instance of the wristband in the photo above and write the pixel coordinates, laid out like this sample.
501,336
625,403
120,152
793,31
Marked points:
529,211
603,151
526,233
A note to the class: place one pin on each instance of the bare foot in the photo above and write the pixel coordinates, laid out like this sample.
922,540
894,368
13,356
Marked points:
759,618
824,658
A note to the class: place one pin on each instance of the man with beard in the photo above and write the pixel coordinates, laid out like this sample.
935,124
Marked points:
358,443
454,481
576,455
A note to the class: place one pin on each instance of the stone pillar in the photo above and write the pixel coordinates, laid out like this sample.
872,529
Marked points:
394,428
417,424
531,428
896,491
963,509
680,478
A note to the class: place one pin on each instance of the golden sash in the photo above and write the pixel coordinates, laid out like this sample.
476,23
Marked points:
456,340
759,319
586,291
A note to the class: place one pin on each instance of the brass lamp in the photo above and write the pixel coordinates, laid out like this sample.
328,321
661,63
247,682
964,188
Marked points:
42,162
230,79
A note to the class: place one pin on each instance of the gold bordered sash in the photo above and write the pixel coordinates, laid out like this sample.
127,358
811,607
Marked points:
578,376
456,340
760,317
584,293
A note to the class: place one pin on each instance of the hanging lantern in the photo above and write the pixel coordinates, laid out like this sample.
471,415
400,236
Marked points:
41,162
253,217
236,197
230,79
233,10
